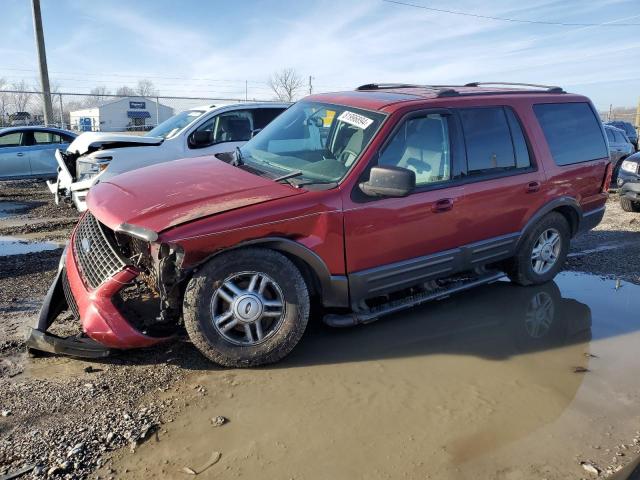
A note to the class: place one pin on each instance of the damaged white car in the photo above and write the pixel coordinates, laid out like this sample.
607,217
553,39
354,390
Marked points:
96,156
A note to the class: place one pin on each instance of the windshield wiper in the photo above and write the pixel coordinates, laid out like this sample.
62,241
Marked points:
286,177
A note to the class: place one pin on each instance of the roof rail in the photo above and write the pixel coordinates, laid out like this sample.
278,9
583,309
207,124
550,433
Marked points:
442,90
380,86
548,88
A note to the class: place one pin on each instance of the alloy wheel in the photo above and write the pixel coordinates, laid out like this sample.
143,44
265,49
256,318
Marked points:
247,308
546,251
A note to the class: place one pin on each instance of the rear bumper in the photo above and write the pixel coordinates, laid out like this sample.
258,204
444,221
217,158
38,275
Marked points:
100,319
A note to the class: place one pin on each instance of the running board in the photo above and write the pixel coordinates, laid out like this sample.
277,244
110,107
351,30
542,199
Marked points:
368,316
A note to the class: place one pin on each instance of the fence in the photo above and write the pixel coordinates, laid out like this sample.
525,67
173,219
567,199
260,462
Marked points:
86,112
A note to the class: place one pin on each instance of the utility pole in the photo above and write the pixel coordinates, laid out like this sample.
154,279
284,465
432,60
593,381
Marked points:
310,85
42,59
610,112
246,90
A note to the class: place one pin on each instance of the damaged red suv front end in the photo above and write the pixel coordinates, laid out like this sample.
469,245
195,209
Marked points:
94,276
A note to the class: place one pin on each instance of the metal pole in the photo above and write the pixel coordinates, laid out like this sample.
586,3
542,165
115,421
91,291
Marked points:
609,114
246,90
157,111
42,59
61,114
310,85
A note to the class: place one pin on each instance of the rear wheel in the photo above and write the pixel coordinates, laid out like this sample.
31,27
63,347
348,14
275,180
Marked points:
247,307
629,205
542,252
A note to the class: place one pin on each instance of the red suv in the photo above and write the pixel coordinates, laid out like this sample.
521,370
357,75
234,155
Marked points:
362,202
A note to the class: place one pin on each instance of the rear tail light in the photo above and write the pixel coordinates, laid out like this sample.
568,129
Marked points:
607,178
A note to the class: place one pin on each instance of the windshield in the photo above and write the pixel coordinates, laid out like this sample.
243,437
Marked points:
320,141
173,125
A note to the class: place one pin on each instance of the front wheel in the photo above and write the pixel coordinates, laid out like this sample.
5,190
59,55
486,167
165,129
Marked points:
542,252
629,205
246,308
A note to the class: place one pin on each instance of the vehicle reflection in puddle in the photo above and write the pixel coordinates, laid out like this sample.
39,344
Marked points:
19,246
498,382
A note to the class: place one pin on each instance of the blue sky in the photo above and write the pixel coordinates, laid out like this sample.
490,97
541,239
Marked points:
211,47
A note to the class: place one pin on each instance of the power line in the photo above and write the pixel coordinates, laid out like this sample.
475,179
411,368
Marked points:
514,20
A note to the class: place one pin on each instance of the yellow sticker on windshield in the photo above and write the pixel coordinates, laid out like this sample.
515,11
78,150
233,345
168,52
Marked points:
355,119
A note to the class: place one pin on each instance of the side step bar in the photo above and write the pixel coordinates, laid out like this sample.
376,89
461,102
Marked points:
368,316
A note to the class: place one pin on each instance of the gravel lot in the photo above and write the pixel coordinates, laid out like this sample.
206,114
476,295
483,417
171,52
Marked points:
61,417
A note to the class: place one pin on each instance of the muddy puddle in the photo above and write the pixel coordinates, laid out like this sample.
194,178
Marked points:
7,209
10,245
500,382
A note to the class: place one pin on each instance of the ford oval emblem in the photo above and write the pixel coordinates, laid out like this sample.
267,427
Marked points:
85,243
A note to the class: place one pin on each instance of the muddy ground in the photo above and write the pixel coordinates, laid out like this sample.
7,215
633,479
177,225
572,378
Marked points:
457,389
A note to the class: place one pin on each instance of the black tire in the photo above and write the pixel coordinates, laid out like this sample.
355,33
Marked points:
520,269
629,205
197,308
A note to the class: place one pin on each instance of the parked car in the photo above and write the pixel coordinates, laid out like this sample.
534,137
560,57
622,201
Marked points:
98,156
629,183
619,148
364,203
629,129
29,152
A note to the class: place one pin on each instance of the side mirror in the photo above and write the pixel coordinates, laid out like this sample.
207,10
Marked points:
389,182
201,138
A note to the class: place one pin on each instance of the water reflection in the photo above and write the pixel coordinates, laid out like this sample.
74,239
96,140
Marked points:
495,321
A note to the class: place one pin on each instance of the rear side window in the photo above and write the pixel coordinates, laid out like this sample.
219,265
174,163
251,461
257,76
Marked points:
11,139
494,140
263,116
573,132
610,135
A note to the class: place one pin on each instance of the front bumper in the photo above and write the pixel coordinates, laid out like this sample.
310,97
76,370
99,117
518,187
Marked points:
105,327
65,187
629,185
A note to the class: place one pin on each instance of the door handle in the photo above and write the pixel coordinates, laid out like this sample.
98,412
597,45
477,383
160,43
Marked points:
443,205
20,154
533,187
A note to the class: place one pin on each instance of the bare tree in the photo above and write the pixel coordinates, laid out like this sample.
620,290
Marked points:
146,88
125,91
286,84
97,96
21,98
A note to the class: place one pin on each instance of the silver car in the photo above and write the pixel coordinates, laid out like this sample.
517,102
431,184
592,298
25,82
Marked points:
29,152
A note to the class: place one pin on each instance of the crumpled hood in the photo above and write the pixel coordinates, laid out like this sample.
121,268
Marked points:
89,141
169,194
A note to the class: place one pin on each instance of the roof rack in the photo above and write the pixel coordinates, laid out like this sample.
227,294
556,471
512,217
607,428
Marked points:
548,88
450,90
441,90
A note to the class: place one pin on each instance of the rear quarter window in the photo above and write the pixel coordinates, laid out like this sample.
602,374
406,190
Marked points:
573,132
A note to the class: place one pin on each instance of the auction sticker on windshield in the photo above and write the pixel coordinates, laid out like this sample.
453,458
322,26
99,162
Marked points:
355,119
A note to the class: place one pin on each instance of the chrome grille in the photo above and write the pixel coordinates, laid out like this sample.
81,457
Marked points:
94,250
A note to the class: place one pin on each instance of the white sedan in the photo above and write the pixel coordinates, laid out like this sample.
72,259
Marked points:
96,156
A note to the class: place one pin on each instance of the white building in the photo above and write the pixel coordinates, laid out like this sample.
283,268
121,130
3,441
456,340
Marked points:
119,115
